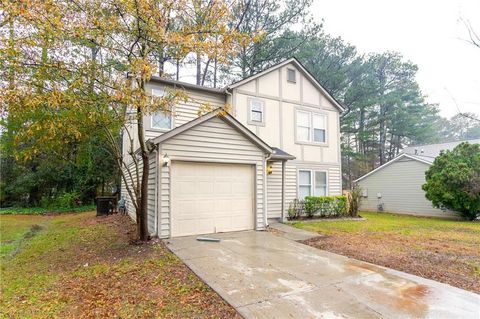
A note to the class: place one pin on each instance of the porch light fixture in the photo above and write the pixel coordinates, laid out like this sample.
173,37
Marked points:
165,160
269,169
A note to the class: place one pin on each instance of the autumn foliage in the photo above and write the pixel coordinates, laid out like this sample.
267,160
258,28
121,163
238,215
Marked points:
74,68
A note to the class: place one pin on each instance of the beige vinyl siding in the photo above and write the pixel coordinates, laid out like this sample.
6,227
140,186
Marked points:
186,111
334,180
282,100
274,184
132,182
274,189
183,112
400,184
213,141
151,193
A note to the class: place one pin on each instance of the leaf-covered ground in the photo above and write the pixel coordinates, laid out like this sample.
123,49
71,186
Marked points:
444,250
81,266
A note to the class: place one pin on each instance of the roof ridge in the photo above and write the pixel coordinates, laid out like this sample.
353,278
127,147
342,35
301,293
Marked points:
458,141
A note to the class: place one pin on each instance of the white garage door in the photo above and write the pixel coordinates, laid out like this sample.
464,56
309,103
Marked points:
210,198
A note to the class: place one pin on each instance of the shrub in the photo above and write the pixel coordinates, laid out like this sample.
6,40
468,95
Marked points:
64,200
295,209
453,180
353,201
325,206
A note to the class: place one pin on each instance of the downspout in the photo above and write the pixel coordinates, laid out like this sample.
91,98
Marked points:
265,199
227,92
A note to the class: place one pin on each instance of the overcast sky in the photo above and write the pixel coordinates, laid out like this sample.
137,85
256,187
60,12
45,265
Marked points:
427,32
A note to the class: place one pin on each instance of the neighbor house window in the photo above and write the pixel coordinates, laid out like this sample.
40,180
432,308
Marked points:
161,120
291,75
311,127
257,112
312,183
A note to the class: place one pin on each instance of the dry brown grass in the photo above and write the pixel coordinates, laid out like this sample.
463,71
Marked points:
443,250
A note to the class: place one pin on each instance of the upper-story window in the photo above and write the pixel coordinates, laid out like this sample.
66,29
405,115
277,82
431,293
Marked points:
257,112
291,75
311,127
161,120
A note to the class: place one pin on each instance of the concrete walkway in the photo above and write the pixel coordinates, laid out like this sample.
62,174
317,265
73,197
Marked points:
268,276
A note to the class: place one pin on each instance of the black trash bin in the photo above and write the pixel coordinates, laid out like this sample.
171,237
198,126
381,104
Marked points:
106,205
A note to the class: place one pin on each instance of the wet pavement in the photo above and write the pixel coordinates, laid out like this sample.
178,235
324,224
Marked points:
264,275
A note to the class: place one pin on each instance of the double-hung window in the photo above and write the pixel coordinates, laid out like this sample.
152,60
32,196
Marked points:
311,127
312,183
161,120
257,112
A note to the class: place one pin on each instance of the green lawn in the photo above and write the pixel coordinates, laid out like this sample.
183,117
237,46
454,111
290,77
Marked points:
13,229
43,210
400,224
440,249
81,266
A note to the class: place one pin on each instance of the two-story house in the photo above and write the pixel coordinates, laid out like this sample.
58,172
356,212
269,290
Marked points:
233,171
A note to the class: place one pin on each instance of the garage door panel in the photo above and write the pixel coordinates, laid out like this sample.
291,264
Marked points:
223,188
208,198
205,188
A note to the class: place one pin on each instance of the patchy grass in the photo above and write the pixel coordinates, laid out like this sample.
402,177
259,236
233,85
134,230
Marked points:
42,210
82,266
443,250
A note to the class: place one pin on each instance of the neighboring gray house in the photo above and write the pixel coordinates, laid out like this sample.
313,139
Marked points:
396,186
228,172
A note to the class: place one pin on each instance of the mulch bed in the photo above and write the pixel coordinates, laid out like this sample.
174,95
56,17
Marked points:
448,261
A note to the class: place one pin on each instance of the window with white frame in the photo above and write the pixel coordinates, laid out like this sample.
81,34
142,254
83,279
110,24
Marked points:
312,183
291,76
311,127
304,184
257,111
320,183
161,120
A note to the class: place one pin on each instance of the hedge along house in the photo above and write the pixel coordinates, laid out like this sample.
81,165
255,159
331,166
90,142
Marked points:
233,171
396,186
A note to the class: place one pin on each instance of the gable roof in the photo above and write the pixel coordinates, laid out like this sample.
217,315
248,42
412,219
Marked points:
220,113
426,153
422,159
302,69
433,150
223,91
186,85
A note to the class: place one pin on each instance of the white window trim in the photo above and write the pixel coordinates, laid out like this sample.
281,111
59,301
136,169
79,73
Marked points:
299,185
312,181
160,92
311,141
295,72
250,121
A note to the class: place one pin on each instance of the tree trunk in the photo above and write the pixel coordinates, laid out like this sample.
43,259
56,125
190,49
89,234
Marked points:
215,67
361,130
199,69
141,211
177,75
383,135
161,62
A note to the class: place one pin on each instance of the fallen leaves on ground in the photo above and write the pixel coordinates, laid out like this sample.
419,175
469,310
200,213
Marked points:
81,266
441,258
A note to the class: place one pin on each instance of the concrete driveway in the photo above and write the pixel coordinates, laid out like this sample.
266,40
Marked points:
267,276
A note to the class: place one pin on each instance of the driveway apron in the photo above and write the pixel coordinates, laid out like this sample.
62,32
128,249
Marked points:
264,275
